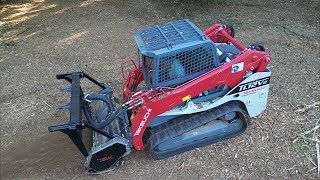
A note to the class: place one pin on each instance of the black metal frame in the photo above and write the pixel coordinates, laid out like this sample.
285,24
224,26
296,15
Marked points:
76,124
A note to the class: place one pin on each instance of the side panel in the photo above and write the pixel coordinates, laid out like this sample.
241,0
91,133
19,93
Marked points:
253,92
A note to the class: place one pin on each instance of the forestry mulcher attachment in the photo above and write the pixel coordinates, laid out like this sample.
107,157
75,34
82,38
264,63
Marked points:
190,89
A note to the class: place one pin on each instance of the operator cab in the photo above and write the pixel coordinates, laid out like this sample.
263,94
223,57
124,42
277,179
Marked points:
174,53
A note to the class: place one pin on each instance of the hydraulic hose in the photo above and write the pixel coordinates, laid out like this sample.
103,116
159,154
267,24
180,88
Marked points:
103,98
109,118
87,113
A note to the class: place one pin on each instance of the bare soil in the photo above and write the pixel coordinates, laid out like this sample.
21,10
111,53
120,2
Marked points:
95,36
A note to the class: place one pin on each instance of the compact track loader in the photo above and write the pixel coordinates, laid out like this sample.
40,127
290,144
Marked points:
190,89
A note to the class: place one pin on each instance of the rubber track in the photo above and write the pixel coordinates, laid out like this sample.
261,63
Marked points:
185,123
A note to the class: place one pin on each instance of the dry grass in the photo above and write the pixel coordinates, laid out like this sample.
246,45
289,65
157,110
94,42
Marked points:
95,36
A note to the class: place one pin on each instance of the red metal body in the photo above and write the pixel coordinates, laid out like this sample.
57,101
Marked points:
157,103
134,78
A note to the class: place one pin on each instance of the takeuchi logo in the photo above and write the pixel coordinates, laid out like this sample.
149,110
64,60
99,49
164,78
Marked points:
145,118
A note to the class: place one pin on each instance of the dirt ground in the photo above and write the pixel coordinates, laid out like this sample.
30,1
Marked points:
95,36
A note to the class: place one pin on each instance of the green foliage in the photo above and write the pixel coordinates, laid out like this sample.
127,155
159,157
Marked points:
4,28
254,4
209,22
207,2
302,148
216,2
204,23
8,43
231,21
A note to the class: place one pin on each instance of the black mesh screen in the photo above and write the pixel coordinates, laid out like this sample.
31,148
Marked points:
185,64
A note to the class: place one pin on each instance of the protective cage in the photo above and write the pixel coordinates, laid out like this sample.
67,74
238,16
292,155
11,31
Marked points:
169,34
180,52
184,65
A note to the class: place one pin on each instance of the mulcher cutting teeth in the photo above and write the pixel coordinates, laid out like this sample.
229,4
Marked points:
110,141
